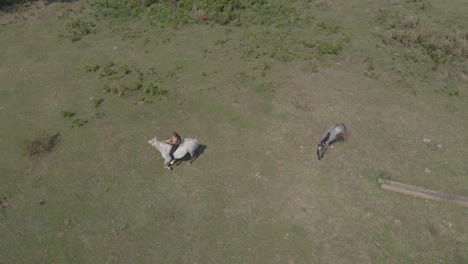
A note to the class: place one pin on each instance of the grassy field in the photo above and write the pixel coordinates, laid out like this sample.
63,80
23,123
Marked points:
258,93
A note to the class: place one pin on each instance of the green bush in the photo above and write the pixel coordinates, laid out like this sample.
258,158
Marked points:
107,70
12,4
92,67
68,114
76,29
154,90
325,48
107,88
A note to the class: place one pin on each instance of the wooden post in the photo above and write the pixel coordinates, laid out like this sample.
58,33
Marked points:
423,192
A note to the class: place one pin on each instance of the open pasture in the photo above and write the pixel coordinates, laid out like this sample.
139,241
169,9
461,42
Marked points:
81,93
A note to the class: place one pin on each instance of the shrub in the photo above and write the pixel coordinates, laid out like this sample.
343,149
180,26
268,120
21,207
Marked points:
67,114
12,5
125,69
325,48
154,90
144,100
107,70
92,67
76,29
78,122
107,88
97,102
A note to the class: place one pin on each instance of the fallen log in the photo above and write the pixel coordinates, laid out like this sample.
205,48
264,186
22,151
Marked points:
423,192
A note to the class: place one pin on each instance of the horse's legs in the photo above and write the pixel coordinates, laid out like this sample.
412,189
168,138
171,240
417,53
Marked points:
166,163
193,156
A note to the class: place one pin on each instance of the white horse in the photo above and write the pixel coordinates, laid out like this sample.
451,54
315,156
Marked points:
187,145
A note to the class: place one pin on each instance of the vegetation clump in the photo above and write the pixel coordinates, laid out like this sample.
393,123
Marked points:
412,32
76,29
107,70
329,27
78,122
42,145
92,67
67,114
325,48
131,81
175,11
153,89
97,102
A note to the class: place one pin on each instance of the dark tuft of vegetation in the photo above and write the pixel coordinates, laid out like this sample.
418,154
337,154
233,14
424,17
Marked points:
12,5
67,114
78,122
42,145
325,48
97,102
153,89
329,27
92,67
107,70
76,29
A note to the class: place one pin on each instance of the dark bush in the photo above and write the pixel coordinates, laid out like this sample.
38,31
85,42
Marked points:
8,4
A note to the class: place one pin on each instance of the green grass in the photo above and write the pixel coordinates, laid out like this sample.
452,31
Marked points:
258,93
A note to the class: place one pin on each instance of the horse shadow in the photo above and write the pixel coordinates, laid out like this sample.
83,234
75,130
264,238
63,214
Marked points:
200,150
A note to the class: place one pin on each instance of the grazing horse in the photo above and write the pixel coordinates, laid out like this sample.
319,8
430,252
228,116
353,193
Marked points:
335,133
187,145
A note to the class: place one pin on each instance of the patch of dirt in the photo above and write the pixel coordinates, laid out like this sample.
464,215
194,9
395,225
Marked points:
42,145
60,235
433,230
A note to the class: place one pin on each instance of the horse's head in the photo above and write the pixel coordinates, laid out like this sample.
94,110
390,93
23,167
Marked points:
321,150
153,142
